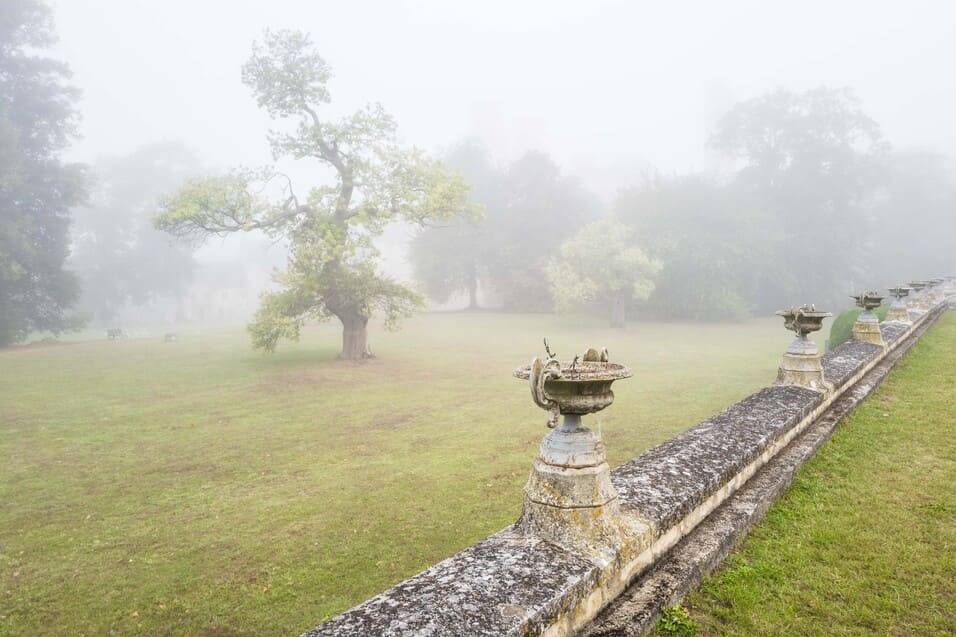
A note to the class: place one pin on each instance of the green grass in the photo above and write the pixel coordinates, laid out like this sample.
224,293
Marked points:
864,541
201,488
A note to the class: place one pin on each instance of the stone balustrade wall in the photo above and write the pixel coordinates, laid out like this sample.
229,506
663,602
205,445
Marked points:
513,584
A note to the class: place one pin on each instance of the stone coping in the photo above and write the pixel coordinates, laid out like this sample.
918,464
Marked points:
494,587
664,484
509,584
842,363
893,330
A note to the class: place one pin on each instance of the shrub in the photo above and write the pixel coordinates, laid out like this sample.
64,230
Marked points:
675,621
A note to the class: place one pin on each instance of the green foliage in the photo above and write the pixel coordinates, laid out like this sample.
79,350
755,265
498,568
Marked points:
530,209
445,260
675,621
37,190
813,160
601,265
332,264
711,241
120,257
542,209
842,328
286,75
452,257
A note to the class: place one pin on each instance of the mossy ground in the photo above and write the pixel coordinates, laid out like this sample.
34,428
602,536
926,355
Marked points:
201,488
864,542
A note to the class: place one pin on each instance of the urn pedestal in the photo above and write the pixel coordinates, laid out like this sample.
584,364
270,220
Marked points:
921,302
937,293
867,326
801,365
898,310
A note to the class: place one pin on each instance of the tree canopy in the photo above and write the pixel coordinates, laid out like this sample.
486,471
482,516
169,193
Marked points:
37,189
543,207
601,265
813,159
332,268
453,257
121,259
713,241
530,208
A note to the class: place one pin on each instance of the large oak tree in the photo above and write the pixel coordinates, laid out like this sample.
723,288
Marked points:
333,263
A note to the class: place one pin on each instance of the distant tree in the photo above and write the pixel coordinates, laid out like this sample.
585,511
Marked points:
332,269
37,189
601,266
715,243
913,219
541,209
814,160
120,257
452,257
447,260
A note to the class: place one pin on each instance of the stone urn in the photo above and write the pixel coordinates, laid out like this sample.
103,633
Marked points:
920,302
801,364
948,285
569,498
867,326
578,388
936,289
898,310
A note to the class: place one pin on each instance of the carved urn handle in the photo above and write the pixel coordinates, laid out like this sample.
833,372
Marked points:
542,372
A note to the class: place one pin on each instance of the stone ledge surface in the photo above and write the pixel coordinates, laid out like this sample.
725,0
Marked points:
667,482
491,588
843,362
892,330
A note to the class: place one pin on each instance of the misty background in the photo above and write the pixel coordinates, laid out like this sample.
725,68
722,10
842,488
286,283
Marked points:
559,114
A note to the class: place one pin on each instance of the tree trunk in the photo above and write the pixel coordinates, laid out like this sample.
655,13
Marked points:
473,294
354,338
617,312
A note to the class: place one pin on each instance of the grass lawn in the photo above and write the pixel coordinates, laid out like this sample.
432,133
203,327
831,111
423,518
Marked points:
864,542
201,488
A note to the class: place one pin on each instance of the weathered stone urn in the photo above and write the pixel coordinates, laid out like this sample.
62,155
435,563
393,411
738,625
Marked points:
898,310
920,302
801,364
936,289
569,498
867,326
949,287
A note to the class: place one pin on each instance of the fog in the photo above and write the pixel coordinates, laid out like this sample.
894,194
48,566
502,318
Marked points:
267,268
607,88
614,93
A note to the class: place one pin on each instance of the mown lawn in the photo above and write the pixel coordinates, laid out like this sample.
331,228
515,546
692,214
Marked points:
864,542
201,488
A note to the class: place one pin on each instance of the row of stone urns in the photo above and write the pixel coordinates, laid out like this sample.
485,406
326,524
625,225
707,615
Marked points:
806,319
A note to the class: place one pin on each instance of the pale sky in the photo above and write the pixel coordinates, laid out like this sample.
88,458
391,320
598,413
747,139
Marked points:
610,89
